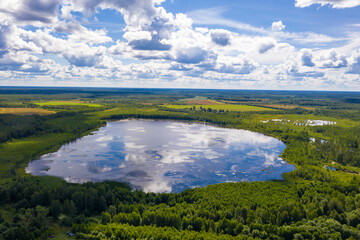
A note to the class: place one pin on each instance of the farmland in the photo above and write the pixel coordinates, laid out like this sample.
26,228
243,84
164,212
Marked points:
25,111
225,107
67,103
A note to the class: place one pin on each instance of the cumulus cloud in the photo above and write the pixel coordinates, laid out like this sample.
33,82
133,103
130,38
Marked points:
355,63
277,26
191,55
155,47
235,65
81,33
140,16
84,56
332,3
331,59
25,62
37,12
306,58
43,40
292,68
4,32
220,37
119,48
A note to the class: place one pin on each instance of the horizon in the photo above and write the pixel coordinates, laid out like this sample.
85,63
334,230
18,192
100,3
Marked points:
297,45
185,89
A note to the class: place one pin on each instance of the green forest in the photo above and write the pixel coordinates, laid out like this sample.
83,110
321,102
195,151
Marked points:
318,200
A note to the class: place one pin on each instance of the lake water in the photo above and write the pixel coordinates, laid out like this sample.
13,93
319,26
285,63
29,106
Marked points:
166,156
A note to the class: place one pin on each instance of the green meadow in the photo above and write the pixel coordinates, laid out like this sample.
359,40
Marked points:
67,103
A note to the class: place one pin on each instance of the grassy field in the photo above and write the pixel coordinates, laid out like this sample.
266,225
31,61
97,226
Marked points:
59,232
281,106
194,99
225,107
202,102
70,103
20,151
25,111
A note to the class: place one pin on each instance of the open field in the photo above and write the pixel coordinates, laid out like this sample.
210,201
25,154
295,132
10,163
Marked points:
202,102
25,111
68,103
225,107
238,101
199,101
281,106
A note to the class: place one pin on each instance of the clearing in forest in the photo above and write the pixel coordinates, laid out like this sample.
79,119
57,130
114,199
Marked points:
225,107
25,111
69,103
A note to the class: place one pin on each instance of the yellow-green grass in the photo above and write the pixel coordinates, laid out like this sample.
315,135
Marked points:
340,175
124,111
202,102
59,232
50,181
69,103
12,153
225,107
25,111
194,98
282,106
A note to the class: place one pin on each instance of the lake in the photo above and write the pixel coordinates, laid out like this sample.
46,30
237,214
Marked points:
166,156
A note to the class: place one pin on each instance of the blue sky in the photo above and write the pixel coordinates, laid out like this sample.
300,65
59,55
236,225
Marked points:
263,44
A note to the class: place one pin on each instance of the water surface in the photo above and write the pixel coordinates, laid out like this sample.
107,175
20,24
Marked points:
166,156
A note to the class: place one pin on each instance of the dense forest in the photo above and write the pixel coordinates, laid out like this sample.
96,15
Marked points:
319,200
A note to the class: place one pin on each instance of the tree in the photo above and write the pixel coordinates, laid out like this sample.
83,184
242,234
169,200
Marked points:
112,211
105,218
55,209
69,208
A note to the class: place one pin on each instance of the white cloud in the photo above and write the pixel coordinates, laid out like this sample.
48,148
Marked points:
119,48
330,59
235,65
140,35
25,62
79,33
140,16
84,56
332,3
158,47
277,26
191,55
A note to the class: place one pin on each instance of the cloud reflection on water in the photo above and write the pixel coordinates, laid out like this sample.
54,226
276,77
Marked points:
165,156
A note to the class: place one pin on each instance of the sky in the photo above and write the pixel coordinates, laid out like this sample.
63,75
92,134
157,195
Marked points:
262,44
